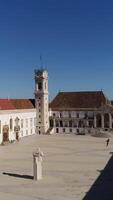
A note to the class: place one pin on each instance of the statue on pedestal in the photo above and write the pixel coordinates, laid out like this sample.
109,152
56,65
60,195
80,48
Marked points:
37,164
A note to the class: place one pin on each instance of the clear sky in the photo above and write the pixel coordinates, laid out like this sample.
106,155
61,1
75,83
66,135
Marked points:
75,38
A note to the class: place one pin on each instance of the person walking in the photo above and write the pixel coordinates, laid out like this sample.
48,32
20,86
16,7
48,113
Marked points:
107,142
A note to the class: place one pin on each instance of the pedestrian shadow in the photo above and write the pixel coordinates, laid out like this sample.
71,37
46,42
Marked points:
102,189
18,175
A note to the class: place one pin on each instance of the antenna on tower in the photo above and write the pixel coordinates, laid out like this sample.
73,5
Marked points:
41,61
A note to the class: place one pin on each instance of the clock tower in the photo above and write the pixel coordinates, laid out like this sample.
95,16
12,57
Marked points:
41,101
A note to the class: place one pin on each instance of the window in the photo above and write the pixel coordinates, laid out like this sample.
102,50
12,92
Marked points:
31,122
26,132
80,124
57,130
45,85
65,124
70,130
26,122
69,115
21,123
61,124
63,130
21,133
11,124
77,115
85,115
70,123
77,130
57,124
39,85
34,121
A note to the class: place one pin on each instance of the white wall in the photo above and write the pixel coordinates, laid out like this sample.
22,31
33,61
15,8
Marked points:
27,115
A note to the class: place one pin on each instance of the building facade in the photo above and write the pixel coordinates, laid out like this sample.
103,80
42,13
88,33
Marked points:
81,112
17,119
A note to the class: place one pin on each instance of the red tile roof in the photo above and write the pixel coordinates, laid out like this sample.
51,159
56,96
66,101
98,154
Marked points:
5,104
11,104
22,103
78,100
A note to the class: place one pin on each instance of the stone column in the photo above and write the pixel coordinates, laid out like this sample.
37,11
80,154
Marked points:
110,121
54,122
37,165
87,123
102,121
95,122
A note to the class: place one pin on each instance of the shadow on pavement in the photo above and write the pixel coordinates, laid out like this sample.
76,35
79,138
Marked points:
18,175
102,189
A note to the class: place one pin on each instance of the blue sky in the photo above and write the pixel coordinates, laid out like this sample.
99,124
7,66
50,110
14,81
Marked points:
75,38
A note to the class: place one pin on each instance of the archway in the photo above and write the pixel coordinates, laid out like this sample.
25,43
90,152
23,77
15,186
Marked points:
106,120
98,120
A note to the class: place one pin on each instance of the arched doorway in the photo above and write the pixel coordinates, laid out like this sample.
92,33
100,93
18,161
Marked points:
98,120
51,123
106,120
5,133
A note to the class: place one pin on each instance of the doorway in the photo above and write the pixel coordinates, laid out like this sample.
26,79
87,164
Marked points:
5,133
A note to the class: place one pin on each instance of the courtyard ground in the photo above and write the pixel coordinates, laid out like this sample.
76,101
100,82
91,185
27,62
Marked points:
71,165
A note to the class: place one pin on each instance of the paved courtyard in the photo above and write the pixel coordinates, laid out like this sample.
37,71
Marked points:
71,165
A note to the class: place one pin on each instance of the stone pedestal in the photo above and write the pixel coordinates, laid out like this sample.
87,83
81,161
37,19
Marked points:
37,165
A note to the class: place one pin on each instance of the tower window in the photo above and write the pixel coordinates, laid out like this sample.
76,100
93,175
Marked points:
45,86
39,85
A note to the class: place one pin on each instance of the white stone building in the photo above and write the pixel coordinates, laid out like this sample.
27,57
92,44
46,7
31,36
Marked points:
17,119
81,112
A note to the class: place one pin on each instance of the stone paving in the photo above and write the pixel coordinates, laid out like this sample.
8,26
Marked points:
71,164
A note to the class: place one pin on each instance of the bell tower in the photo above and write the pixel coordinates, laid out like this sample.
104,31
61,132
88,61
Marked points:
41,101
